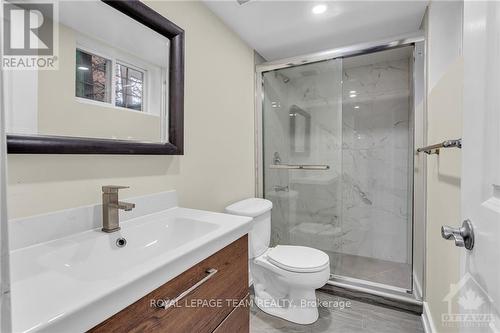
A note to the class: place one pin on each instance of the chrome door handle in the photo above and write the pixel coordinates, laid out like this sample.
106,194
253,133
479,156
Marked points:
165,304
463,236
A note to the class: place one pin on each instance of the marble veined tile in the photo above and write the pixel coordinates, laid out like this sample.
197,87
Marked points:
375,154
360,128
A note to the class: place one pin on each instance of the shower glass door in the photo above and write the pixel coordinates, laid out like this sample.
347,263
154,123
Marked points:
336,154
302,118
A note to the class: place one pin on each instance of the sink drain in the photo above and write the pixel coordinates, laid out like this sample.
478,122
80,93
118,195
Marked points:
121,242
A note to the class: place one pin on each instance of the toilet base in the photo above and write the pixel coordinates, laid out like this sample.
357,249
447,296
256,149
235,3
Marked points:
300,308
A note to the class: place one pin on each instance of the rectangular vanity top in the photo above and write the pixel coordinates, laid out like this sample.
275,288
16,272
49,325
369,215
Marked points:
75,282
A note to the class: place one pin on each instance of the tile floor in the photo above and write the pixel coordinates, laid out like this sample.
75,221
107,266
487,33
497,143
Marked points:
359,317
371,269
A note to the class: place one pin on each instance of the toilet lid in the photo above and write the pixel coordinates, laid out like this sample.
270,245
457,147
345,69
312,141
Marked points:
298,258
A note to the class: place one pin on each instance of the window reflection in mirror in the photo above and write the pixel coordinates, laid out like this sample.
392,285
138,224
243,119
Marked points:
129,86
93,77
93,81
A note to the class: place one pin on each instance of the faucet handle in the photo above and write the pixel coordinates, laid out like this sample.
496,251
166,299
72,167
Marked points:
113,188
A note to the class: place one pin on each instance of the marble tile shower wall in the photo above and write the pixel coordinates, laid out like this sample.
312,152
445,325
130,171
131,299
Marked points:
309,212
376,111
317,220
359,205
276,139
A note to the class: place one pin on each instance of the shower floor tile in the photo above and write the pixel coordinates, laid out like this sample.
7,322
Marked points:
370,269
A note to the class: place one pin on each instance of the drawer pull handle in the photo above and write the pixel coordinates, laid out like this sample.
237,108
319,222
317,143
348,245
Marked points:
210,273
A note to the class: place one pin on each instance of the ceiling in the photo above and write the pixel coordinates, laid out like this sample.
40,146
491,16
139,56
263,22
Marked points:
281,29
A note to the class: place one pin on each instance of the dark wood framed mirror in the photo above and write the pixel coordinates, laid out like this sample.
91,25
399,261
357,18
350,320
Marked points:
172,122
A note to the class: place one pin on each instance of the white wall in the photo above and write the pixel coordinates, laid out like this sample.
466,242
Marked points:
444,37
5,318
218,165
444,121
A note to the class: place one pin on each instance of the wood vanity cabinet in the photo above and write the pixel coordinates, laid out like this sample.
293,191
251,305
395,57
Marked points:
219,304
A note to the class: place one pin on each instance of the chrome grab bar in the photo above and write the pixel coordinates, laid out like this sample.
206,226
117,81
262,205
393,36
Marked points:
165,304
300,166
434,149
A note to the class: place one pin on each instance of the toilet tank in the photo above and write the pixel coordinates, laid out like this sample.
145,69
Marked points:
260,232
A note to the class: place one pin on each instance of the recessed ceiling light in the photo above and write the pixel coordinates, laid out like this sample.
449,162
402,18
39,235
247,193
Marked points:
319,9
356,107
352,95
83,68
352,92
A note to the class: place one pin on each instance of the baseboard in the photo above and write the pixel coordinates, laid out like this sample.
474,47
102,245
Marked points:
427,321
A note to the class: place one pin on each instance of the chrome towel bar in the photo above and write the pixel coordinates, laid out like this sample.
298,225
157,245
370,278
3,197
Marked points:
300,166
434,149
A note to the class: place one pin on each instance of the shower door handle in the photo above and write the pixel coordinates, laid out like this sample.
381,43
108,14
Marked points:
463,236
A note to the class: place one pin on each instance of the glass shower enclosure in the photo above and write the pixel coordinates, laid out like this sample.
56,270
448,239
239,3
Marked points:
337,162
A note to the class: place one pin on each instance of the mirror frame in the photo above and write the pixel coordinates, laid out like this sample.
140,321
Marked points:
48,144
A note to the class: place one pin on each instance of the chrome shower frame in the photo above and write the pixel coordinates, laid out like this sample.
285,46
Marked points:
377,290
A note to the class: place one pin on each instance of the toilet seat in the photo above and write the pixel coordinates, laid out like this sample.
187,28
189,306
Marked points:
299,259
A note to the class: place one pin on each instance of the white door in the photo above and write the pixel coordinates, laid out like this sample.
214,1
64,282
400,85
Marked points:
479,292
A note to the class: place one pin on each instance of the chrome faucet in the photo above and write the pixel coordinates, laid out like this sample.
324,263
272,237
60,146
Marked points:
110,207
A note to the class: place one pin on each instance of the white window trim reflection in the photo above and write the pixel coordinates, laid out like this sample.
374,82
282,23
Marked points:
145,78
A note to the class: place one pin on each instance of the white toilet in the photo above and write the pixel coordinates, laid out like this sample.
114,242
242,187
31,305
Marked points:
284,277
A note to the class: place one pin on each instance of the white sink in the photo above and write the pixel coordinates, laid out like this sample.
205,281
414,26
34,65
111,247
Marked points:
72,283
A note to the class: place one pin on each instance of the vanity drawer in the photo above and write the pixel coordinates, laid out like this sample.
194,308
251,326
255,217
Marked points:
238,320
200,310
